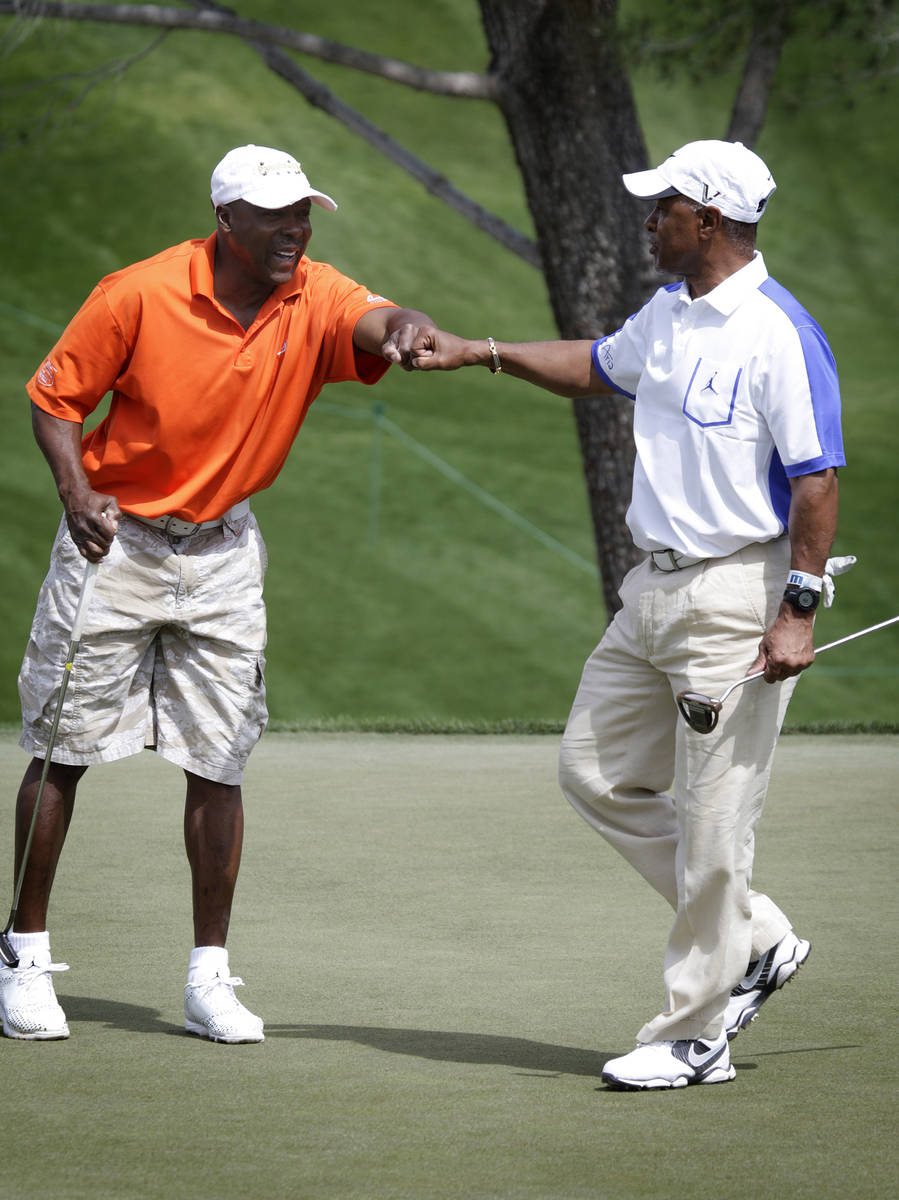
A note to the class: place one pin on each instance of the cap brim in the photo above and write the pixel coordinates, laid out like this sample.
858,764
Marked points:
280,196
324,201
648,185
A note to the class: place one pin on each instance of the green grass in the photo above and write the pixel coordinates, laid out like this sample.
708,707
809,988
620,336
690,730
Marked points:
440,610
445,956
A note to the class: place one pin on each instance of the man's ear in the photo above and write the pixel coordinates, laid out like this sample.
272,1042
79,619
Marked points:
710,219
223,216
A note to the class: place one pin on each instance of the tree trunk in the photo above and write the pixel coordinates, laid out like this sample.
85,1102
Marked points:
769,30
567,102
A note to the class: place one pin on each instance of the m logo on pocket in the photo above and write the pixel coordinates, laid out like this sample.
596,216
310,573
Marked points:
712,392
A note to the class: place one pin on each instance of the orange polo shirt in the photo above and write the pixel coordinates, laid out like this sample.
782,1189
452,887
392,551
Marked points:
203,412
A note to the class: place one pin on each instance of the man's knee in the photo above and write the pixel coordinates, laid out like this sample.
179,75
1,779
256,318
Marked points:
62,776
209,791
579,775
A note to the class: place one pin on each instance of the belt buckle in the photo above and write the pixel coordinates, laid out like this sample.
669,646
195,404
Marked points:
187,528
670,565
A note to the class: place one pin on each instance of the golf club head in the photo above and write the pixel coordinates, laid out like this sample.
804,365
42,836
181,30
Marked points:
700,712
8,956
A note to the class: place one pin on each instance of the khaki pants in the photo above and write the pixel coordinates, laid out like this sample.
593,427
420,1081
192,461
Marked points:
680,806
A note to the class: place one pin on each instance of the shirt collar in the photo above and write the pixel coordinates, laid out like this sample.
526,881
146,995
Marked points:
202,268
731,292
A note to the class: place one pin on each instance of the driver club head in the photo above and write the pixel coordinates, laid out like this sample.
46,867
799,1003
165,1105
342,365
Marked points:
8,956
700,712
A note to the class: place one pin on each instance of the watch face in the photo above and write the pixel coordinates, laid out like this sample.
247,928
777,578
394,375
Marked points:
805,599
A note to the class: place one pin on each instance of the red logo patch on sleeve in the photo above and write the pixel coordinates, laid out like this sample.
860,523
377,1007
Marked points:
46,376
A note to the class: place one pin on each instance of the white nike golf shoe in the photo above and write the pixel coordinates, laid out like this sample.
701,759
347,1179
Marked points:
211,1010
763,978
28,1005
671,1065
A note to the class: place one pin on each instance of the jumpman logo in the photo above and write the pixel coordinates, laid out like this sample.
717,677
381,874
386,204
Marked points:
710,386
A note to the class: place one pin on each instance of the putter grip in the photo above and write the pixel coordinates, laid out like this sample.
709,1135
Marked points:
87,587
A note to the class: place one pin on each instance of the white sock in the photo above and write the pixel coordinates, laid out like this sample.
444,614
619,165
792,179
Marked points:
206,962
33,949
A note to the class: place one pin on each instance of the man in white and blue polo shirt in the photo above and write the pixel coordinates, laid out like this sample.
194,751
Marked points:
737,429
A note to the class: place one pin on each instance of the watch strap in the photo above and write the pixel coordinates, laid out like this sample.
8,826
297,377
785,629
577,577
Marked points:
801,579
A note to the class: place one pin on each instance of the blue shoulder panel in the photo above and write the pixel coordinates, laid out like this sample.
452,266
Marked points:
821,371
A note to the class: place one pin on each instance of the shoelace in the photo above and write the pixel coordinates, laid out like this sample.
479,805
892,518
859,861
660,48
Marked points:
204,988
34,974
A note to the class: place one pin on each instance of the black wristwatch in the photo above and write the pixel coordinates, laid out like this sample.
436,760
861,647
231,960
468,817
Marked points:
803,599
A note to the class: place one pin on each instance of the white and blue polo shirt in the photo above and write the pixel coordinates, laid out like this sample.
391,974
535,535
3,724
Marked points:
736,392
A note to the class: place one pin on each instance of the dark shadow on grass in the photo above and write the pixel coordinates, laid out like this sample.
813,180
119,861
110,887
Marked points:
529,1057
114,1014
538,1058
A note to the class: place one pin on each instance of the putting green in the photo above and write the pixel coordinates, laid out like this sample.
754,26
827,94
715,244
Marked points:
445,955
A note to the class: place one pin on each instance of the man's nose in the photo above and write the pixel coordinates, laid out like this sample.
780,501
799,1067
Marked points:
295,225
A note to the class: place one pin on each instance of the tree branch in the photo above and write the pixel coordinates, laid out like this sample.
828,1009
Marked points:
463,84
265,40
320,96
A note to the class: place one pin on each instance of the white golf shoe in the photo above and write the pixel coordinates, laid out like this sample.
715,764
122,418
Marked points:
764,976
671,1065
211,1010
28,1004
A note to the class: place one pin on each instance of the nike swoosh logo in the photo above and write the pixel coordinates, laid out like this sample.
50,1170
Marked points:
703,1060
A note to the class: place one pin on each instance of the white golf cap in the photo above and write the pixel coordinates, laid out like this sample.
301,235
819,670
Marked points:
724,175
265,177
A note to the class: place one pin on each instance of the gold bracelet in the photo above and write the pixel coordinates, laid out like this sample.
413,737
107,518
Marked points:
497,367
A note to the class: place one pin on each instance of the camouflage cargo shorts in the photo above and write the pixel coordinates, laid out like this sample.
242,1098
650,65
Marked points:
171,655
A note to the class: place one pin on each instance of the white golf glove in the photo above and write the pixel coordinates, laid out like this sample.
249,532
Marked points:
834,566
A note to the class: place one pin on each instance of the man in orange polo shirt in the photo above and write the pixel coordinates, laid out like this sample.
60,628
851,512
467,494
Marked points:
213,351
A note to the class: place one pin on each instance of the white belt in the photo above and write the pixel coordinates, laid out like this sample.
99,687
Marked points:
673,560
175,527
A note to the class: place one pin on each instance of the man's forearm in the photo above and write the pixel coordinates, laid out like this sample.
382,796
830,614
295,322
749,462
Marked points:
60,444
813,520
563,367
92,517
788,644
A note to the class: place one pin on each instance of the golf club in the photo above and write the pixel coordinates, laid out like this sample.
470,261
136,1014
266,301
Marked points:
701,712
8,955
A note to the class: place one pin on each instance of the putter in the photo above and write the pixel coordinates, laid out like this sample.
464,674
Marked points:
701,712
8,956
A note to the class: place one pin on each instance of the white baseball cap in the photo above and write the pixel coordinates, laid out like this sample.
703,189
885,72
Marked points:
265,177
724,175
